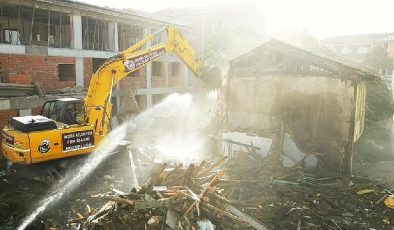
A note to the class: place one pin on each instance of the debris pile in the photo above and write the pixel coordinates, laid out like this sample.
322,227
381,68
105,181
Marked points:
76,90
234,194
290,198
173,197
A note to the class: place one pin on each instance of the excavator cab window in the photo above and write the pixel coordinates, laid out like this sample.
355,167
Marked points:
68,112
48,110
74,113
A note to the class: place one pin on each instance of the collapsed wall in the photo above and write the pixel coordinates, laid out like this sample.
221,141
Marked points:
320,103
317,112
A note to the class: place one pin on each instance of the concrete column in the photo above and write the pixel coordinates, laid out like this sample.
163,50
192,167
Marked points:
203,39
185,76
76,43
114,46
165,65
392,81
113,36
149,98
76,39
118,110
79,71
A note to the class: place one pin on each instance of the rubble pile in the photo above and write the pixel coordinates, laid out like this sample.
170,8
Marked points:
229,194
289,198
172,198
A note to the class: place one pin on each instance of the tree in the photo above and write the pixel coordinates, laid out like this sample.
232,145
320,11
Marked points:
375,143
378,59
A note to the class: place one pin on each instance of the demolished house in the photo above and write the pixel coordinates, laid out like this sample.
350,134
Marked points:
313,105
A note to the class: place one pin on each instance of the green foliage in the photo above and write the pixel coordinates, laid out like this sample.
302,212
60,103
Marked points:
379,102
214,56
378,59
375,143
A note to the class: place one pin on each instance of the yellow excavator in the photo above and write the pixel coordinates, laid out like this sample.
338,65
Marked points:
69,127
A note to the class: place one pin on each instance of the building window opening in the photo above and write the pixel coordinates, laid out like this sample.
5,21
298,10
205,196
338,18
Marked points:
176,69
157,69
66,72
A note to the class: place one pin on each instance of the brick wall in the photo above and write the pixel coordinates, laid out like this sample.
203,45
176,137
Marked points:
176,81
24,69
130,84
5,116
87,71
36,110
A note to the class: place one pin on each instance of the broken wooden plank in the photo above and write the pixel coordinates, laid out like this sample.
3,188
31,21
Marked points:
254,223
120,200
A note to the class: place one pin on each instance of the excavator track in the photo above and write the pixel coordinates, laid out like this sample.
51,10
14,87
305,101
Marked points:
47,172
5,168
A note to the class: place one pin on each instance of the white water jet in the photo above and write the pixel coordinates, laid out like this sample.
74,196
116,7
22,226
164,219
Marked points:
175,123
74,178
177,131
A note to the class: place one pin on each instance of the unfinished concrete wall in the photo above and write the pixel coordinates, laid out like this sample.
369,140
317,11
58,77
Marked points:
318,111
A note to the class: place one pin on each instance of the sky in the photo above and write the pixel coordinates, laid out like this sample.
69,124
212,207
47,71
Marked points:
320,18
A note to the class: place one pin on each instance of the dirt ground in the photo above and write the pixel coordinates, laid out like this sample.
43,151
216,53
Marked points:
382,171
19,194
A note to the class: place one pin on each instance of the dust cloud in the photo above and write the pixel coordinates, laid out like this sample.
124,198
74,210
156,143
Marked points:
176,130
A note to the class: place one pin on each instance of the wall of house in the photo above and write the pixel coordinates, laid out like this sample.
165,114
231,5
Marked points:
317,111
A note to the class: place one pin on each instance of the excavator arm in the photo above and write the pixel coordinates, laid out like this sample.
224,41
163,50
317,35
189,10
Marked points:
97,103
175,43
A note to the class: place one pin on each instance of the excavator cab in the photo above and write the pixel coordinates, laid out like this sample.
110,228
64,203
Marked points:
68,111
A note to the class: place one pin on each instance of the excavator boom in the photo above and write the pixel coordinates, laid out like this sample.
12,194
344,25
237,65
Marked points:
97,102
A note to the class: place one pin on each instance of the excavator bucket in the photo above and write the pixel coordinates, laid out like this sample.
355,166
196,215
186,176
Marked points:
212,77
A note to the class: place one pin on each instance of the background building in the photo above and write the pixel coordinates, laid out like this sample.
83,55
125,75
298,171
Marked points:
375,50
60,44
223,32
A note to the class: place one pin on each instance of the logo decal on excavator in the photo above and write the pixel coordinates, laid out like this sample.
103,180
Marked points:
44,146
138,61
130,65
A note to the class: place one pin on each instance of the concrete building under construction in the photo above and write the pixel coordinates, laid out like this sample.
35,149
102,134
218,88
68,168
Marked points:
59,44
